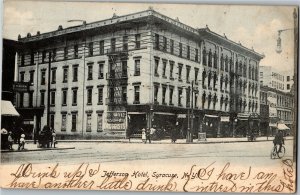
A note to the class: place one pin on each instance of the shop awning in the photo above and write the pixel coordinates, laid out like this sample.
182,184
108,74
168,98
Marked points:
164,113
211,116
225,119
136,112
7,109
282,126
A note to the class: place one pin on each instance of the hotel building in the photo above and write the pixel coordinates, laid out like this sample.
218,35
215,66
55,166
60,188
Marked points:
113,77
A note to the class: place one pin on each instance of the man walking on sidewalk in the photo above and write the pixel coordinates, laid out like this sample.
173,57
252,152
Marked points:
148,136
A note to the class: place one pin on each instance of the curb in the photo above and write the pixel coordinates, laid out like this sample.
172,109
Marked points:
31,150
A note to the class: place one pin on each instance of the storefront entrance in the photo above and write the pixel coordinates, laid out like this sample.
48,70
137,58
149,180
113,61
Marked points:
136,122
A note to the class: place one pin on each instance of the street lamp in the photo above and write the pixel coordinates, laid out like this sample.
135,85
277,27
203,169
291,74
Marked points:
278,48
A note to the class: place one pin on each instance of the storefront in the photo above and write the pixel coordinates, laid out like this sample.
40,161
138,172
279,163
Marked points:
136,122
211,125
242,125
225,130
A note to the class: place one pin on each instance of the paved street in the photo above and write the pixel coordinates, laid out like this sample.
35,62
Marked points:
96,152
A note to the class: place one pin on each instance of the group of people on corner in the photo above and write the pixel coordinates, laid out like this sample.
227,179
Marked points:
148,134
8,138
47,137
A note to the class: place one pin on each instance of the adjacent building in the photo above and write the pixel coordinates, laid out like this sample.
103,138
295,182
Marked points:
116,76
277,107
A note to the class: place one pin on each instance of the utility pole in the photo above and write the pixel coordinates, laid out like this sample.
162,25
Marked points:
295,15
192,113
190,129
48,91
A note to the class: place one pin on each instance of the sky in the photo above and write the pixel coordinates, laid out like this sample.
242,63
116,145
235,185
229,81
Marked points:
252,26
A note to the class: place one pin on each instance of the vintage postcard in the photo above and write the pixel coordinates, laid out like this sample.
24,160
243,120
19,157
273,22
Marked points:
149,97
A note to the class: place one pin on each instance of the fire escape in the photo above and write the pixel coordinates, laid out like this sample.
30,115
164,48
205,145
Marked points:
117,79
235,88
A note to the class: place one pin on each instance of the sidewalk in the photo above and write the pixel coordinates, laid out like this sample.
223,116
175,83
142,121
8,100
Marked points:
179,141
69,144
30,146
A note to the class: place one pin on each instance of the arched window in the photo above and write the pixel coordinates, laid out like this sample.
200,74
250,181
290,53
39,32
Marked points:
245,70
226,63
215,99
203,99
226,102
204,56
215,60
209,99
215,79
222,62
249,88
209,78
240,68
221,82
209,58
249,108
226,81
249,72
221,101
231,64
203,77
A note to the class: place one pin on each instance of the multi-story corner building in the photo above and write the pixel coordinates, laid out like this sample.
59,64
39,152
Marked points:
136,71
280,106
272,78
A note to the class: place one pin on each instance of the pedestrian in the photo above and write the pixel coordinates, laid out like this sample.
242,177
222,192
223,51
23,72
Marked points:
143,135
53,139
10,141
148,135
22,142
278,140
173,136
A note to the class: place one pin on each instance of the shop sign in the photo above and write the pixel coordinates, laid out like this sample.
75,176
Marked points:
21,86
181,116
116,120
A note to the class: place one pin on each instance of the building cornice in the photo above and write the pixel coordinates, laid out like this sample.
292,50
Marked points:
204,33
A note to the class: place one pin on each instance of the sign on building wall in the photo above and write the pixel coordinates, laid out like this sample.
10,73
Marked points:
21,86
116,120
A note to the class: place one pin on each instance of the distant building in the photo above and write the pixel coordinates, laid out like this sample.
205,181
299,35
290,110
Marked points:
280,80
116,76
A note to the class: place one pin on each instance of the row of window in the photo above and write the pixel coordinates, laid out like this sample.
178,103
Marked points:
74,122
278,76
209,58
278,85
284,115
53,53
90,72
210,98
284,101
